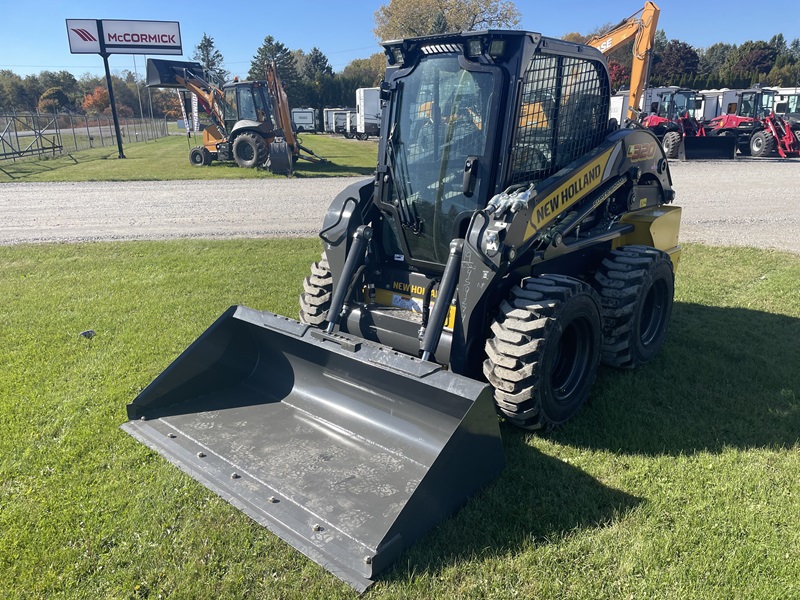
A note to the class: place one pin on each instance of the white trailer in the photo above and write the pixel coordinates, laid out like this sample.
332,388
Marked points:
304,119
651,99
340,120
368,112
787,101
619,106
719,102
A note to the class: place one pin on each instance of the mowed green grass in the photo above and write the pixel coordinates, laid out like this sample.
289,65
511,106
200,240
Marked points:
167,159
678,480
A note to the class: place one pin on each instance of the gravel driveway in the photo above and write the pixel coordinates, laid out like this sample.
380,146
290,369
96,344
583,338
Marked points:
750,202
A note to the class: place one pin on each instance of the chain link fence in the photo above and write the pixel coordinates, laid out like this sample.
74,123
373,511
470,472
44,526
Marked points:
24,135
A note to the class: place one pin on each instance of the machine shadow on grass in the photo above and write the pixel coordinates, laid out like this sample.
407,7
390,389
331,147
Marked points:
537,499
726,378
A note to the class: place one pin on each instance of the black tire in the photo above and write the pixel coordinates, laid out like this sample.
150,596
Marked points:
362,136
197,156
316,299
636,286
762,143
544,351
250,150
671,143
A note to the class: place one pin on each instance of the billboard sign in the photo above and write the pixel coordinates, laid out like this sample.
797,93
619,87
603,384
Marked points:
83,36
109,36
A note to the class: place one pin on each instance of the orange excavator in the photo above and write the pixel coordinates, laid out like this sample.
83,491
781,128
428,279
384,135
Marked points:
680,135
251,120
641,27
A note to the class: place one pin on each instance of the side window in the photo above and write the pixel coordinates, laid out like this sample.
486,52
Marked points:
583,114
562,115
247,108
532,155
230,104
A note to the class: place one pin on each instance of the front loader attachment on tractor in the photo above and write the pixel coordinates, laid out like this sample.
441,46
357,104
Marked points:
711,147
347,450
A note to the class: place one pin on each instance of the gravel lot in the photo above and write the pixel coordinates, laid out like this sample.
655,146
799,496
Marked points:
749,202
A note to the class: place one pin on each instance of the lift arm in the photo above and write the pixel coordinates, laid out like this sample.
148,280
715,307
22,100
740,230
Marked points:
641,24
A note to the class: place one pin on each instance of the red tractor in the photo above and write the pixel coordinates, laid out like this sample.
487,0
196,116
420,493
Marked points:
676,125
757,129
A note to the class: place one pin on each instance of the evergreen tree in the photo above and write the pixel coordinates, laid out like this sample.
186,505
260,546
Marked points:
207,55
316,65
273,51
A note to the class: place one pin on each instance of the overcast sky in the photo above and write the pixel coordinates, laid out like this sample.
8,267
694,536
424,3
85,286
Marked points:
35,35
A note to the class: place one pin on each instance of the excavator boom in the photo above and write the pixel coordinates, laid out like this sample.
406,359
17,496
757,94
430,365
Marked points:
641,26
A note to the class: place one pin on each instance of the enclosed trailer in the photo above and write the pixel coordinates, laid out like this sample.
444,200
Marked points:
304,119
368,112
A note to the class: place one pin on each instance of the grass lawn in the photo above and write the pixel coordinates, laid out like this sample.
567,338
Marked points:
167,159
679,480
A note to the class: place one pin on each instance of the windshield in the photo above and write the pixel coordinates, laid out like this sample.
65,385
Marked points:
440,119
756,105
674,106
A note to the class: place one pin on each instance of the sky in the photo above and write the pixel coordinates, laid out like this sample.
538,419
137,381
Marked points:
35,35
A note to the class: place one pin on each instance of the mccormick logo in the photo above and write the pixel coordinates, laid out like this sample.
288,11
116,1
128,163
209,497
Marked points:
85,35
141,38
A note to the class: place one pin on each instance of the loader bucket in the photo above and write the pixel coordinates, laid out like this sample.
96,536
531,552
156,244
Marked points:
712,147
161,73
345,449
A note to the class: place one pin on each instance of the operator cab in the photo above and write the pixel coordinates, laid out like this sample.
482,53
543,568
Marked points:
453,109
756,104
679,103
247,101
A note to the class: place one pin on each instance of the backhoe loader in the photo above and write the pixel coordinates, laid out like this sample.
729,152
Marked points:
251,120
511,240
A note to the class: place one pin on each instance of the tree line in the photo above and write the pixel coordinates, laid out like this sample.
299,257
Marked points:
309,79
674,62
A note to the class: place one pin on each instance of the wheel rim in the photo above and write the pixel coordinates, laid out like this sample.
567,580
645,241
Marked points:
572,360
246,152
653,314
757,143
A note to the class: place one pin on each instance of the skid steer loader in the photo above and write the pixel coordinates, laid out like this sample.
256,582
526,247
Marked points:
510,241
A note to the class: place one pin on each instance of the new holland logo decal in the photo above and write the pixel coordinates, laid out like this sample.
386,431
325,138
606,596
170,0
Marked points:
576,187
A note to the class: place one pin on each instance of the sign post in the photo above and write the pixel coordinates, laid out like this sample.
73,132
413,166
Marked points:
108,36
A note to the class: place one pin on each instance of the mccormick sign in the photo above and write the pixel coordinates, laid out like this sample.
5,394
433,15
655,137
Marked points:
108,36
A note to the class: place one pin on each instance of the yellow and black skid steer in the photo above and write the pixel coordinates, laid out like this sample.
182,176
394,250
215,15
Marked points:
511,239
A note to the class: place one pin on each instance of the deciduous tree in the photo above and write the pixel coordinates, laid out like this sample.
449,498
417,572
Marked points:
368,71
96,102
677,60
52,100
751,57
408,18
